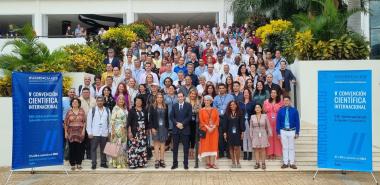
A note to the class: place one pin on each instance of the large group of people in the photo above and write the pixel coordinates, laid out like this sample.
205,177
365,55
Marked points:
213,89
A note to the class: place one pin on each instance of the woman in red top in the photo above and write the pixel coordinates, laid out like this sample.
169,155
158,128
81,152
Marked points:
75,124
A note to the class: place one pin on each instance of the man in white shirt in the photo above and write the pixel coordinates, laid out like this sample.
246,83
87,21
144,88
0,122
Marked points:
87,103
137,72
98,129
277,77
246,57
218,66
148,70
87,84
224,74
117,77
229,59
129,64
201,68
210,75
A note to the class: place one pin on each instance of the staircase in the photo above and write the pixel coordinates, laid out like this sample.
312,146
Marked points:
306,160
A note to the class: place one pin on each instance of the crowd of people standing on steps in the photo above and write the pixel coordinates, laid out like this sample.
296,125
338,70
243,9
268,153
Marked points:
213,89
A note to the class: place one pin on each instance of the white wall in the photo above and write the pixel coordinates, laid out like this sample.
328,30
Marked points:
6,131
51,43
39,8
307,88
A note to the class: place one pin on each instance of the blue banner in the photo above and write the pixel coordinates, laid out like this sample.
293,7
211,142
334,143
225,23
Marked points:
345,120
37,120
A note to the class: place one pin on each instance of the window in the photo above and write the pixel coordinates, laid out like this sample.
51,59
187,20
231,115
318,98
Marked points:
374,6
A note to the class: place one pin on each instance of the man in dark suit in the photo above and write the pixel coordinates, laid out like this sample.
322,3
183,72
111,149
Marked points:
181,116
287,78
111,59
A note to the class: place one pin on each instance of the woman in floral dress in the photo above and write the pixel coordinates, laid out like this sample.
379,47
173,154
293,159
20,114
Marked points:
138,127
118,134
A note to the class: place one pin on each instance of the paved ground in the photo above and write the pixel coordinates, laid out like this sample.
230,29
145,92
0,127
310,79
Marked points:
189,178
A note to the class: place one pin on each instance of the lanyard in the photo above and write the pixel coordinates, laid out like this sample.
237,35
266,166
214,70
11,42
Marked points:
258,120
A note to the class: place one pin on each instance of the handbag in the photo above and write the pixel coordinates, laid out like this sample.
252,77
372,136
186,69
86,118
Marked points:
202,134
112,149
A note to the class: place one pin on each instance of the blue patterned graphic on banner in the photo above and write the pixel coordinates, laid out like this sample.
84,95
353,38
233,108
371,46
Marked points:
345,120
37,120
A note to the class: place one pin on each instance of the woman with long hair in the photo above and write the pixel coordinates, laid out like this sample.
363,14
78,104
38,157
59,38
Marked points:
149,80
260,94
271,108
242,76
259,133
109,101
160,125
118,132
246,107
229,84
233,131
132,91
196,104
122,90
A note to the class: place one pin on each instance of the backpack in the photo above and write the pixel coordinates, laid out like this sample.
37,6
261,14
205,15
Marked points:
108,114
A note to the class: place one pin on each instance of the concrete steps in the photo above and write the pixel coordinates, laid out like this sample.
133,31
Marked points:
306,160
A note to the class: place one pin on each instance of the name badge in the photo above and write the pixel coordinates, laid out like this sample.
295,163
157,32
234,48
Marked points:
221,112
273,116
234,130
246,116
193,117
259,134
160,123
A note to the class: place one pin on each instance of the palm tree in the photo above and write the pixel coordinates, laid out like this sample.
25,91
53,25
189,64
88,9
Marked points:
330,23
29,54
272,9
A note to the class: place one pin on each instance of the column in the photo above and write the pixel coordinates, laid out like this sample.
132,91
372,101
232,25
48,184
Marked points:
130,17
37,24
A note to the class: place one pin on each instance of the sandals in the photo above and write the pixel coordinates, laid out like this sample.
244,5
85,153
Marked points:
257,166
263,166
157,164
162,163
208,166
214,166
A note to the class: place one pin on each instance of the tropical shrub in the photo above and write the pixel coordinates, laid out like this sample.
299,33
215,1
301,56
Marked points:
6,86
303,45
121,36
84,58
67,82
350,46
141,30
274,27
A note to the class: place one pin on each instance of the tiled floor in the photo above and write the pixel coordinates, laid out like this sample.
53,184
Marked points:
189,178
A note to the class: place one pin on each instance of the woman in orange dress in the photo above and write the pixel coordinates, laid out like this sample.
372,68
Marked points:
209,123
271,107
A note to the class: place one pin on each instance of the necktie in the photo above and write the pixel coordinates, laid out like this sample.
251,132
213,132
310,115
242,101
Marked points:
287,118
180,107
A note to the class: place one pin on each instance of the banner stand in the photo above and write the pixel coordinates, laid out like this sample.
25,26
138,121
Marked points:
31,172
373,176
